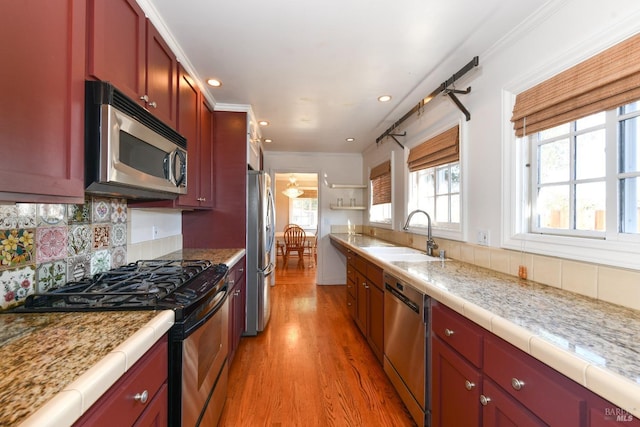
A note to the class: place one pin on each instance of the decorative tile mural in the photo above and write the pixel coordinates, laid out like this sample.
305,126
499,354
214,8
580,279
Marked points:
43,246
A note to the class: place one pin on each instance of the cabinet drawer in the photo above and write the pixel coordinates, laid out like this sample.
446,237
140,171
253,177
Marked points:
351,305
118,406
548,394
374,275
460,333
351,272
361,264
351,287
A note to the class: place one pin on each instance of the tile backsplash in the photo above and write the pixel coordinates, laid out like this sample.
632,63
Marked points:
46,245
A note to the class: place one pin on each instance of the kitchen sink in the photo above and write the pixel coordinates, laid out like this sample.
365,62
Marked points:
399,253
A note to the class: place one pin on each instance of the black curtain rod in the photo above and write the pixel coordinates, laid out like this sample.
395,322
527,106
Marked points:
464,70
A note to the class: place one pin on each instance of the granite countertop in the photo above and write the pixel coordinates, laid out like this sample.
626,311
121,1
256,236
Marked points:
592,342
56,365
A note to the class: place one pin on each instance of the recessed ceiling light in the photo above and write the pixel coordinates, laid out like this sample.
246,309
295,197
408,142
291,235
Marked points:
350,139
214,82
263,123
384,98
267,140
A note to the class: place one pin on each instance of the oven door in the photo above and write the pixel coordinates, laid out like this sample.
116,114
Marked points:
205,371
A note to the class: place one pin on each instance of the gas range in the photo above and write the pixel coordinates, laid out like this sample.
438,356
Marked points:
179,285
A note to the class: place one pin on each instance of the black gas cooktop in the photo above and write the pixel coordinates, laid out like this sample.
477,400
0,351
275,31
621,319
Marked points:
143,285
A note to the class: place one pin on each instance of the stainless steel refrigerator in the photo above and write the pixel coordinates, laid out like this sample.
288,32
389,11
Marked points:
260,246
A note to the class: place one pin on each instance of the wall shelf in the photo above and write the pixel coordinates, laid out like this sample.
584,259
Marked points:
362,186
347,208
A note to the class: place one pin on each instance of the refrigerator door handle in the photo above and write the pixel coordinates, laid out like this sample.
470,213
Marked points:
268,269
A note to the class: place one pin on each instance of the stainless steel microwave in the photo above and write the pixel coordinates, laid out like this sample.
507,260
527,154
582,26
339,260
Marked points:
129,152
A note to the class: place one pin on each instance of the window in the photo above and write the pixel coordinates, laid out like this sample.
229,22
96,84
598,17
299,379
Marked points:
569,171
380,191
571,184
434,181
303,211
436,191
574,192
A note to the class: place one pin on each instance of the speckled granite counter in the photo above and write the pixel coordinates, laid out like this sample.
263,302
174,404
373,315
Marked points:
56,365
594,343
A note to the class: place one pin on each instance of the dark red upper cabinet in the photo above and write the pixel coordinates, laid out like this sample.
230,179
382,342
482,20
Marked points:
127,50
42,101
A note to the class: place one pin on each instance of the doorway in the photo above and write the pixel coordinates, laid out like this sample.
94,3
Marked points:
296,202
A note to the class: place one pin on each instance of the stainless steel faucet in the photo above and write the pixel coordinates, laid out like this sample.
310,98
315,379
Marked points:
431,244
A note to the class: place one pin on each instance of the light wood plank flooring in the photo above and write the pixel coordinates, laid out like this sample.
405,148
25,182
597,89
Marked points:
311,366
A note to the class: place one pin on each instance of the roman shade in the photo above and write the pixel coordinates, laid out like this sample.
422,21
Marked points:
309,194
602,82
380,177
439,150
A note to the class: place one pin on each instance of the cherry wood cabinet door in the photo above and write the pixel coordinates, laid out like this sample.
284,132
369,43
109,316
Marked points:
188,126
376,321
161,68
362,303
42,100
455,388
205,157
156,414
117,45
501,410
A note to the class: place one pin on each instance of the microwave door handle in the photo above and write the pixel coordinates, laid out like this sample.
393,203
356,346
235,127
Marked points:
179,156
167,166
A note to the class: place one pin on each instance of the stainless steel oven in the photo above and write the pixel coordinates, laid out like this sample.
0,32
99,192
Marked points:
129,152
197,292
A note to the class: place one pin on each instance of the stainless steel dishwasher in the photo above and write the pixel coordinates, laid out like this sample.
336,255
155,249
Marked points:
406,317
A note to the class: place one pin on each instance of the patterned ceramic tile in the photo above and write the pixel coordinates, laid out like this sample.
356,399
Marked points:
100,210
118,211
16,247
100,261
119,234
119,256
26,215
79,213
50,275
8,216
15,285
80,239
52,214
51,243
78,267
101,236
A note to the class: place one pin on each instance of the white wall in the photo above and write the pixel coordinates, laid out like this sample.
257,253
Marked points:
559,36
153,233
331,169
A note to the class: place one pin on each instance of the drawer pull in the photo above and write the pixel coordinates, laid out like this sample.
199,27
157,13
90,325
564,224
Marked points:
469,385
517,384
141,397
484,400
448,332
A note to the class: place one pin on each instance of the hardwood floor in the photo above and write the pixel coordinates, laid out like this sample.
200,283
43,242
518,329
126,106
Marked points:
311,366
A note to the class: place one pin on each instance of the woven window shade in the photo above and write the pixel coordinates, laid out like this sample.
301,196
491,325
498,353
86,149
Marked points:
605,81
439,150
309,194
381,183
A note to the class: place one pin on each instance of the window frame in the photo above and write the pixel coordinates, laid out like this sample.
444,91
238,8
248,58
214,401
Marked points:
615,249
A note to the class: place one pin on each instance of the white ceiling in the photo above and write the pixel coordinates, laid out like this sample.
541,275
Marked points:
314,68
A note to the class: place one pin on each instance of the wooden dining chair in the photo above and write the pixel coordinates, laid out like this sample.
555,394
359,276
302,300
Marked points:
294,241
312,247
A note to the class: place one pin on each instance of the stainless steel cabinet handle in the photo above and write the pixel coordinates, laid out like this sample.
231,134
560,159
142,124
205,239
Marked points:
365,285
141,397
241,270
448,332
144,98
231,283
202,199
152,104
484,400
517,384
469,385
